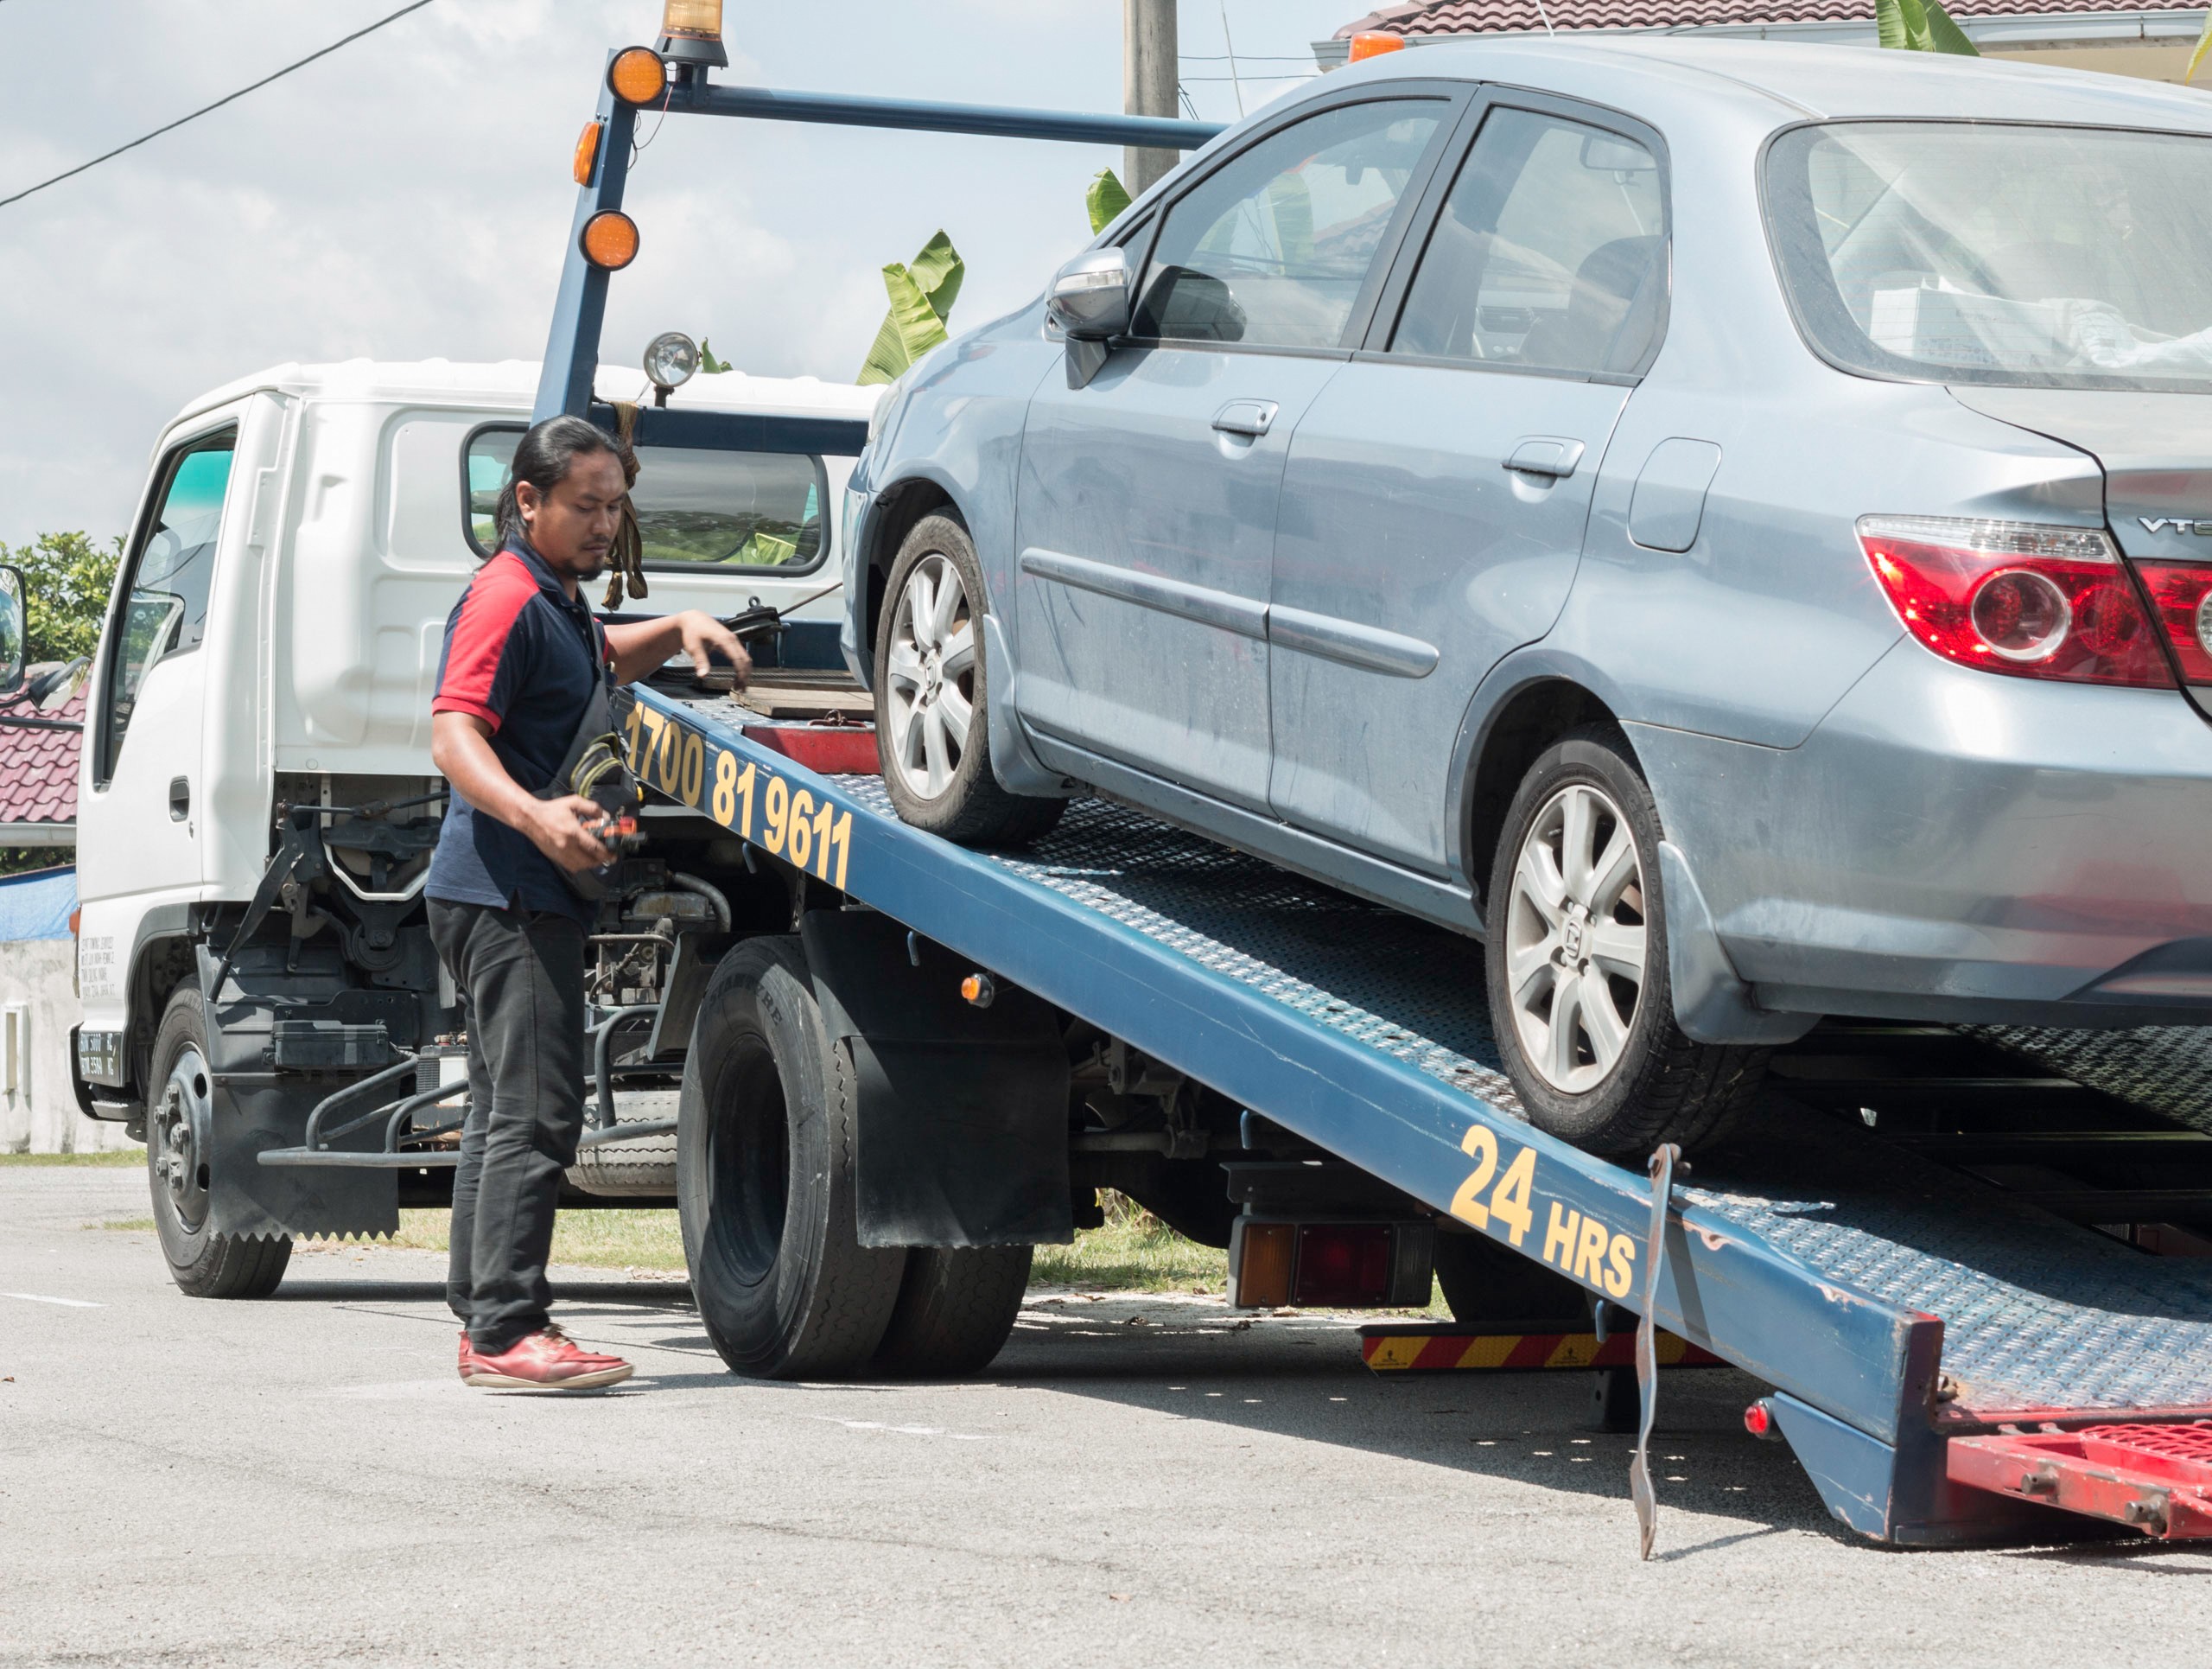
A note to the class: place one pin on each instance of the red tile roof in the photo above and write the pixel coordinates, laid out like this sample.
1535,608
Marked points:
38,770
1485,16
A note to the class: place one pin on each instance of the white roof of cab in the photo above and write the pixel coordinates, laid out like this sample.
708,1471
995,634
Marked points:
512,384
1658,77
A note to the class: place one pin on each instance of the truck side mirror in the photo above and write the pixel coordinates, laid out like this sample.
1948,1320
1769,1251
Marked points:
11,630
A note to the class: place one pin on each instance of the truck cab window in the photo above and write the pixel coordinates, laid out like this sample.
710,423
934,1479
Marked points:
696,508
164,607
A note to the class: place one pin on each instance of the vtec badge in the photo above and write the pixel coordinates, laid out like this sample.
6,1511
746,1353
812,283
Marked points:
2176,525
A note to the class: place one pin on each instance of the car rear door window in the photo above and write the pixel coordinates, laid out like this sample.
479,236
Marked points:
164,607
696,508
1274,249
1550,254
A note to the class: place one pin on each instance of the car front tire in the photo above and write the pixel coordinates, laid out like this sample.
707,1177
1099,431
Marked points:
1576,956
932,698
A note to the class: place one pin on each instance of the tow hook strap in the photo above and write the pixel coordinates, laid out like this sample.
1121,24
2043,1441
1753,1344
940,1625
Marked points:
1646,1349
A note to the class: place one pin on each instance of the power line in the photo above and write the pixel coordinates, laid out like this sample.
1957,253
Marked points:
414,5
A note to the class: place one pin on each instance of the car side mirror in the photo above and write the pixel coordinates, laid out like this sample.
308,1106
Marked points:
1090,298
11,630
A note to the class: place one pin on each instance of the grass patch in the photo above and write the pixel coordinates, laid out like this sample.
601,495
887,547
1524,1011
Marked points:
1133,1253
121,1159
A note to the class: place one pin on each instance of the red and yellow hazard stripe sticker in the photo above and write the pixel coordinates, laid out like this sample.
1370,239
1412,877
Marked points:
1389,1352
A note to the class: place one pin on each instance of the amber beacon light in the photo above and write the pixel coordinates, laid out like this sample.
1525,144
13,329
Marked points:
587,152
637,76
1373,43
610,240
692,32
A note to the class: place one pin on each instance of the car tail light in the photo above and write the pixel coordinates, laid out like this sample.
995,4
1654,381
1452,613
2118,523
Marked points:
2183,597
2017,598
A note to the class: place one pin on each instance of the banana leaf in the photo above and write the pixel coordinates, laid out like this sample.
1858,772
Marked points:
1105,200
922,293
2203,46
1920,26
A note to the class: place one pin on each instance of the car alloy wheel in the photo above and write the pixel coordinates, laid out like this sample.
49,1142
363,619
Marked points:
931,677
1575,945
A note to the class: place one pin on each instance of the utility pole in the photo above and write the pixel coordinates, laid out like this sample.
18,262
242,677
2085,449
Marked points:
1150,70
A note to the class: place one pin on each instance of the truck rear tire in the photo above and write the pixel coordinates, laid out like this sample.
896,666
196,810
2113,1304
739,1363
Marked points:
766,1153
204,1261
933,695
957,1308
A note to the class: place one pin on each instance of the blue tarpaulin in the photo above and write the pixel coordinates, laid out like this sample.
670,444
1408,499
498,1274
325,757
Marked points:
36,906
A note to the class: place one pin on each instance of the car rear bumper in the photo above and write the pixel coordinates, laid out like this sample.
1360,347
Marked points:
1949,844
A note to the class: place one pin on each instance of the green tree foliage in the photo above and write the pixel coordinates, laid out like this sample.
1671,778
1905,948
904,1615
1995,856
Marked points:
66,578
1920,26
1105,200
922,293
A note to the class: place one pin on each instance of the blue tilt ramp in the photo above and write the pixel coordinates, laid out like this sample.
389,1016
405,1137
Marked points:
1892,1302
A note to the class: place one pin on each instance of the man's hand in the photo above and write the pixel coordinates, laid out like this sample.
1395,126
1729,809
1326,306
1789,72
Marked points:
641,647
557,828
703,631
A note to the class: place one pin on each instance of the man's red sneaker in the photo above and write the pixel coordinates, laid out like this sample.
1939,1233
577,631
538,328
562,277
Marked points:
547,1360
468,1357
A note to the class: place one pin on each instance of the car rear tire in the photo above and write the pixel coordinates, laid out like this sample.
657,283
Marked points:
932,698
204,1261
957,1308
1576,956
766,1147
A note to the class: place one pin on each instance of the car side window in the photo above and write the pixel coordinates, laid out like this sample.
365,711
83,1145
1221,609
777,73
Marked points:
1551,253
164,611
1273,249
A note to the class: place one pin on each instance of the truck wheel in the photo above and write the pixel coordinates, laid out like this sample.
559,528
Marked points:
1577,963
765,1160
932,698
180,1113
955,1309
1486,1285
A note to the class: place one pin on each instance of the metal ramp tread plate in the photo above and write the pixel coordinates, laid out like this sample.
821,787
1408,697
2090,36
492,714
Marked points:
1850,1243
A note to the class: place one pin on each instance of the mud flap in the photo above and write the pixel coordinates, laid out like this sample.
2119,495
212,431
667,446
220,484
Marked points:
963,1110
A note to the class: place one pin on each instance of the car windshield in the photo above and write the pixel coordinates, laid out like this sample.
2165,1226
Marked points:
1999,252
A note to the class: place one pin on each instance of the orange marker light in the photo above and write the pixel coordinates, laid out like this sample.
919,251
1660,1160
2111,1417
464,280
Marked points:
610,240
1261,1279
637,76
587,152
1373,44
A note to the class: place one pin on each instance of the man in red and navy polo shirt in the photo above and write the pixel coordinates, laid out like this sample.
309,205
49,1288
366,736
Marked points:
523,658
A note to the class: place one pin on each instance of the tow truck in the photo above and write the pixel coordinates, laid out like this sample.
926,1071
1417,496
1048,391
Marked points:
1967,1264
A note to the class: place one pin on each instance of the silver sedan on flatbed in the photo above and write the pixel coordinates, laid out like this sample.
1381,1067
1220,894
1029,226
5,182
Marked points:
1726,523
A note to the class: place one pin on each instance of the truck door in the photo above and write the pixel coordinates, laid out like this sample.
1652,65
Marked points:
1436,494
1147,496
137,832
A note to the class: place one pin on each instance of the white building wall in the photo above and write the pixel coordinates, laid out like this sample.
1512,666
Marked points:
38,1005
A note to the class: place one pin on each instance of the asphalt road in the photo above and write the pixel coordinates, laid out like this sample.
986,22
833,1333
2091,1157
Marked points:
304,1481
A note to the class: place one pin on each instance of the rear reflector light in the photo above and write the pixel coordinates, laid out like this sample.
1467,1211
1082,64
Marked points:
2182,597
2017,597
1260,1271
1343,1265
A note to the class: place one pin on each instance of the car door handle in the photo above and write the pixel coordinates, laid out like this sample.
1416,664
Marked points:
1545,454
180,798
1251,418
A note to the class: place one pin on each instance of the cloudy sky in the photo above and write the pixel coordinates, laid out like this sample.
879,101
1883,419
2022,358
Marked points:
408,197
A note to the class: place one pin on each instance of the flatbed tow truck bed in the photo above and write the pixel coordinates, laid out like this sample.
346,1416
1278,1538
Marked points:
1937,1345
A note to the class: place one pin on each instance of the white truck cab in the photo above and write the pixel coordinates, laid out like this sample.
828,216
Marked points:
273,643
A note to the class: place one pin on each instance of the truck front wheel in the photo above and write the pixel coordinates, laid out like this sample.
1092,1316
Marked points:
204,1261
766,1147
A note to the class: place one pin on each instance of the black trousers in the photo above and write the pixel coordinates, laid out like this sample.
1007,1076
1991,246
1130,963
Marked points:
521,978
